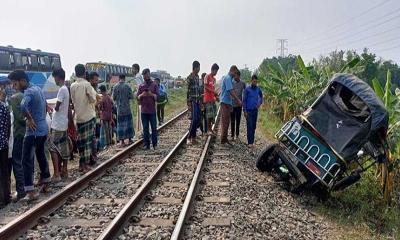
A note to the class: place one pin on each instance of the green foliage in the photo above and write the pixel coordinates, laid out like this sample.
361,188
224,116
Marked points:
245,74
291,89
362,204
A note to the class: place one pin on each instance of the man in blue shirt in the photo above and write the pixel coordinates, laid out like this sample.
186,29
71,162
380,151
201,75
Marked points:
252,100
227,93
34,108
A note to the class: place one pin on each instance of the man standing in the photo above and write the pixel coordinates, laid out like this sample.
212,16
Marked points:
227,93
58,141
193,101
138,80
5,164
147,95
210,97
94,81
122,96
34,108
203,119
83,97
19,128
252,101
236,114
161,101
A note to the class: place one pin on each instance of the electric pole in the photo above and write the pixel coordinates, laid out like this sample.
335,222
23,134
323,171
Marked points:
282,47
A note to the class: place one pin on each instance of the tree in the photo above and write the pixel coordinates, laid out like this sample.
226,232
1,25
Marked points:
245,74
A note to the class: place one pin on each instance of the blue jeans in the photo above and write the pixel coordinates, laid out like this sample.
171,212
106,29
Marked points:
149,119
251,125
194,124
17,168
34,145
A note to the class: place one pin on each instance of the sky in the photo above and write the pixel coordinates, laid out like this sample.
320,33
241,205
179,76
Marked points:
170,34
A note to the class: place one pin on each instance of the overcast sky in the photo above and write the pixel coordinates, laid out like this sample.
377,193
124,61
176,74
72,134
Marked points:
170,34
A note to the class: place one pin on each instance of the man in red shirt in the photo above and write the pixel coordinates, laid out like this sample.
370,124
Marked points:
210,97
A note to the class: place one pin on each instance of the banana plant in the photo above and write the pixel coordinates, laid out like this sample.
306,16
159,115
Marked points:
387,171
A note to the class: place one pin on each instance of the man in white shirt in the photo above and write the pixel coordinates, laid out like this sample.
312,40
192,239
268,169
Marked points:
58,142
138,79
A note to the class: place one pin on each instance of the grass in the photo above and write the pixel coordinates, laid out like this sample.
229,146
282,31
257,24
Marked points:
359,211
269,124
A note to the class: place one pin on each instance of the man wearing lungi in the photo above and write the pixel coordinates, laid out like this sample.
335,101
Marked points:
83,97
122,95
58,141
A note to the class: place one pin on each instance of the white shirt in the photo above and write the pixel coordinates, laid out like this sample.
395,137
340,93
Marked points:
60,117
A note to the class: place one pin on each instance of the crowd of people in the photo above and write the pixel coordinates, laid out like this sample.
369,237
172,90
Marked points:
86,117
234,97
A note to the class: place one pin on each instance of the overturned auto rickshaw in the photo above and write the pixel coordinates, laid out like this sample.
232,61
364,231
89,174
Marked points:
341,135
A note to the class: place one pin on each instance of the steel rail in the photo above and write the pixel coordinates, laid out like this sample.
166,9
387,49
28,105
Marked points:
184,214
27,220
116,226
118,223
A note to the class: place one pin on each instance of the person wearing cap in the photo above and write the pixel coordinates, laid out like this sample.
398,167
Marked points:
122,95
147,95
83,98
34,108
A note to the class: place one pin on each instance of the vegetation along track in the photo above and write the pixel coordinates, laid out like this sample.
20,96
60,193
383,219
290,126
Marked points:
84,207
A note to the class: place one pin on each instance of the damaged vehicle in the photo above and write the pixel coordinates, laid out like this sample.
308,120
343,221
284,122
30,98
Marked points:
330,145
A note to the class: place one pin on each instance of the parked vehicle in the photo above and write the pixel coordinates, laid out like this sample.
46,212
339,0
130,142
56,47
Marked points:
340,136
37,64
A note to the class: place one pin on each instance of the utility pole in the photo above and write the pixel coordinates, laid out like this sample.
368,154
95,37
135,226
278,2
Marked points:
282,47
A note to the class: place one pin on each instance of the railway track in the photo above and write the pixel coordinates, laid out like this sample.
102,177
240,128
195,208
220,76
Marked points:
162,204
92,200
143,195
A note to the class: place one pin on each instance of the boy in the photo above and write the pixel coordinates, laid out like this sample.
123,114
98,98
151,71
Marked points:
210,97
105,106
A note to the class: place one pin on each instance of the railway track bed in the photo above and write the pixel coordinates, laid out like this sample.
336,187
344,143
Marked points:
179,191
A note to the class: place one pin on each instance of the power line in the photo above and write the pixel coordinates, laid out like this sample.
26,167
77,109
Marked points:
355,33
359,39
368,23
382,42
388,49
344,22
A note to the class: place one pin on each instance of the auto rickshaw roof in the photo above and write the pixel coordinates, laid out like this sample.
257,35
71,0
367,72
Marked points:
379,114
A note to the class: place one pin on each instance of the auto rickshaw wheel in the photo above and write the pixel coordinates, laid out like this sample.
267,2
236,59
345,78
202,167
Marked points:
321,192
267,158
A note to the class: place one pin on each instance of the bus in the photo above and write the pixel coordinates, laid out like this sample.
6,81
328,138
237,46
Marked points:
37,64
110,72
